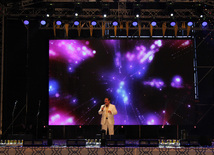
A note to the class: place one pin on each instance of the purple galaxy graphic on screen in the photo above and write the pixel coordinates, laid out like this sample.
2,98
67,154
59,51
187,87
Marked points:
143,78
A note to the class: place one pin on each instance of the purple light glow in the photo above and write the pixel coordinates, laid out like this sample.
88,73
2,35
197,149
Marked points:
153,23
57,95
58,22
94,23
204,24
127,72
172,24
177,82
26,22
61,119
157,83
70,51
115,23
134,23
76,23
43,22
152,120
190,23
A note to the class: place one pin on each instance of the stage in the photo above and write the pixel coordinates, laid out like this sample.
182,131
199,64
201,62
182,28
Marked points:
107,150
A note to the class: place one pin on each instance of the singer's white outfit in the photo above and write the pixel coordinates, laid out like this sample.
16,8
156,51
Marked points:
107,120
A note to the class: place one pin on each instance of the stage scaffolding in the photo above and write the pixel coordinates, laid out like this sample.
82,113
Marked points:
37,10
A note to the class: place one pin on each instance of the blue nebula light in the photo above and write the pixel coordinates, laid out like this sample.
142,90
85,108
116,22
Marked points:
122,92
76,23
53,87
26,22
115,23
172,23
190,23
204,24
94,23
134,23
157,83
70,69
58,22
154,23
43,22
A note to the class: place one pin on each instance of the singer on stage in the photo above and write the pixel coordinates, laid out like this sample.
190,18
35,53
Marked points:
108,111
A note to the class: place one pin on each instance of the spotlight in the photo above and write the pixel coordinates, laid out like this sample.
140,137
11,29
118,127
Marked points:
134,23
58,22
190,23
137,9
172,23
47,15
94,23
115,23
26,22
153,23
76,23
204,24
76,14
171,14
43,22
201,16
104,15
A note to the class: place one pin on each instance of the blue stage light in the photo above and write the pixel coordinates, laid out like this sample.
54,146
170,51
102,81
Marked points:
94,23
154,23
76,23
134,23
172,23
204,24
43,22
115,23
58,22
190,23
26,22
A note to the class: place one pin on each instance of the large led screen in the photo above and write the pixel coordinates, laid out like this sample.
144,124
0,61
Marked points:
147,80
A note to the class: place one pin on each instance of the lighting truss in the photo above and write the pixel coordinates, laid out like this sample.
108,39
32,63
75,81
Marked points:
33,10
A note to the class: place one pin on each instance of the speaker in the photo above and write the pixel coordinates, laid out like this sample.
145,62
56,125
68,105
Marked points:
33,143
189,143
38,142
28,143
116,142
50,137
148,143
76,142
103,138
